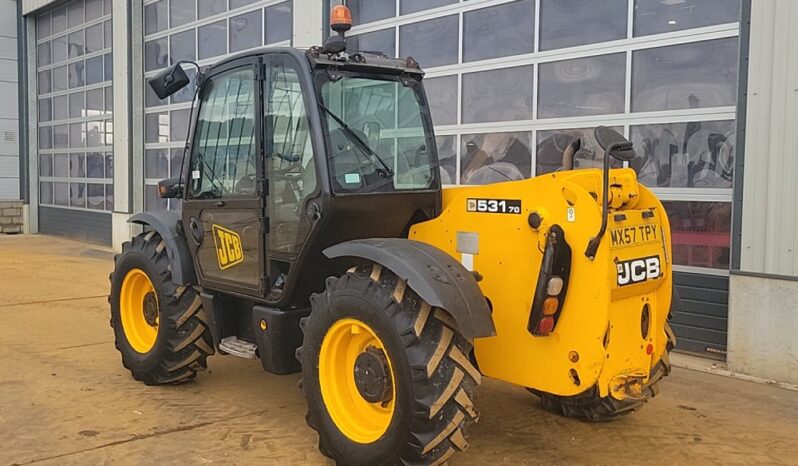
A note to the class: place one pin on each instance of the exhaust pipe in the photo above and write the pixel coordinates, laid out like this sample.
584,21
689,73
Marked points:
569,153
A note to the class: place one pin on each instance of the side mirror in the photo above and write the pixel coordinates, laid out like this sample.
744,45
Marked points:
619,147
170,189
169,81
372,130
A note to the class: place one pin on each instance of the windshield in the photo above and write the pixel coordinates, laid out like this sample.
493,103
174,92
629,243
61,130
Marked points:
377,135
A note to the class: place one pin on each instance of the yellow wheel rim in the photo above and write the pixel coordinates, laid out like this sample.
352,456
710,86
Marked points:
138,309
360,420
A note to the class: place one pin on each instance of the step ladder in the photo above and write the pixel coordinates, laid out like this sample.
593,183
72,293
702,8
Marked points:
242,349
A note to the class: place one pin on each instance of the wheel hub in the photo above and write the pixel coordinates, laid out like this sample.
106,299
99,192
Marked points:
357,381
372,376
138,310
150,307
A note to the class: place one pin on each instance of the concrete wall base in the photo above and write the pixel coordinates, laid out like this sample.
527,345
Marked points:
763,324
122,230
700,364
26,223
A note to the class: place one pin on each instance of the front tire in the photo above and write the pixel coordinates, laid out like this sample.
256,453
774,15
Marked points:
417,407
160,329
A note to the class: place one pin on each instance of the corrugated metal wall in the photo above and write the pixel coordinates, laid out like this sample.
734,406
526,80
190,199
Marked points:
700,324
763,304
9,108
770,190
82,225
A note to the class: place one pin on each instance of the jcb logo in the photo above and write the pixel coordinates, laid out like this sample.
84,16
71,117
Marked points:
638,270
228,247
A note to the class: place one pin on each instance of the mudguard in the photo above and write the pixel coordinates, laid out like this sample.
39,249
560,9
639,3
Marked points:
436,276
164,222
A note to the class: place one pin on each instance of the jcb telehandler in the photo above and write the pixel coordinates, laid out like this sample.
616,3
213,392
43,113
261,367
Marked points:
314,235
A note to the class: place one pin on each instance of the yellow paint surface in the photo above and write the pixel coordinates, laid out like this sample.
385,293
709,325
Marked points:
509,259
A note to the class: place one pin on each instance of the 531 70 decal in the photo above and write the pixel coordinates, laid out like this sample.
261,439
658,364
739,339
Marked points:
494,206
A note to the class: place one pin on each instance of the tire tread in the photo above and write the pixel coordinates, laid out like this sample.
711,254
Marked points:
436,353
182,317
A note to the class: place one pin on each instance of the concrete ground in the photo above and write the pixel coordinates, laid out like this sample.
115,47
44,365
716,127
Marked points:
65,398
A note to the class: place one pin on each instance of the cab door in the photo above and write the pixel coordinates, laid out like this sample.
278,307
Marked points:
290,165
224,208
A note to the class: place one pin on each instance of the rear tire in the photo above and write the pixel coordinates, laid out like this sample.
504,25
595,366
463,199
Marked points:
590,406
433,379
181,340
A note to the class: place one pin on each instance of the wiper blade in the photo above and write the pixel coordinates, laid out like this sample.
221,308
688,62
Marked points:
357,140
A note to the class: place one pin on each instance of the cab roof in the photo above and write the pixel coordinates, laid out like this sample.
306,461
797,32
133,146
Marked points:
358,61
363,59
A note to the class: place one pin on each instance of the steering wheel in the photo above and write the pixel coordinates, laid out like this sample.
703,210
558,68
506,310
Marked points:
247,185
285,171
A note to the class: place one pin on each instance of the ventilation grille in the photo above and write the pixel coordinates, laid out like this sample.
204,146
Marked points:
9,136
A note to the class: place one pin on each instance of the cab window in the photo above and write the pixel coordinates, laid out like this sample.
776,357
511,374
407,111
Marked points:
223,161
379,139
289,158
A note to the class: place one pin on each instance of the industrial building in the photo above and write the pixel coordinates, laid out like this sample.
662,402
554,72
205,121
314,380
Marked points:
706,90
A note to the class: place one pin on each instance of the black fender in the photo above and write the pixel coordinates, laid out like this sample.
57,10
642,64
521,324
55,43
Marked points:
164,222
437,277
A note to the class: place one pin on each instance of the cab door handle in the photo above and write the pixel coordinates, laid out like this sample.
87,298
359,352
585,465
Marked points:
196,230
219,203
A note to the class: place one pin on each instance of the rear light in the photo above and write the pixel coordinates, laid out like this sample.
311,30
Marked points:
550,306
555,286
552,283
545,326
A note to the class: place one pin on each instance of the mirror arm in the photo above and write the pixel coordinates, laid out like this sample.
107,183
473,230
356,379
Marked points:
187,146
171,77
593,244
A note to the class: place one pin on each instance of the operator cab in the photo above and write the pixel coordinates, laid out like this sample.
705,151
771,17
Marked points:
290,152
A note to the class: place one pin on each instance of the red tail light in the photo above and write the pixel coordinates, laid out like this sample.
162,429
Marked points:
545,326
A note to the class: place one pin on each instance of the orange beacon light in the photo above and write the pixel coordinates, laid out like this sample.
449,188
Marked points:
340,19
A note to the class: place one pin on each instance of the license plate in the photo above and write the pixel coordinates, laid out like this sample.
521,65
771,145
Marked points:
626,237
